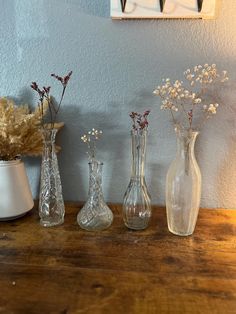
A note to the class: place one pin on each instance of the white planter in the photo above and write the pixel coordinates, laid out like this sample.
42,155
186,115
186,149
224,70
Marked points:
15,194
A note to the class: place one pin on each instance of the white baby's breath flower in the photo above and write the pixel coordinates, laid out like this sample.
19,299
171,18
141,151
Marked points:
175,95
212,108
90,138
197,100
156,92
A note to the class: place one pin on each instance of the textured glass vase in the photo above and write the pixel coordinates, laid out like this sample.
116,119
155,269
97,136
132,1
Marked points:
183,186
137,203
95,214
51,204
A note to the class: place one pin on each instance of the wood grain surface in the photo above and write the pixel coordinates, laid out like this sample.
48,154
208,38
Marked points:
67,270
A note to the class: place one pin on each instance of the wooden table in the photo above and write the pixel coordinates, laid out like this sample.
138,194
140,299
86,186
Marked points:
67,270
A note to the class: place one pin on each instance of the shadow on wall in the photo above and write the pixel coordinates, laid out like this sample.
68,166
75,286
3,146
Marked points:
114,148
73,159
226,176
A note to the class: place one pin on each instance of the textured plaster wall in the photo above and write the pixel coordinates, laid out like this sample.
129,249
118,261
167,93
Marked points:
116,65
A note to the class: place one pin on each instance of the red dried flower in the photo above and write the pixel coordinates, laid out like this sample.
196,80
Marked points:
64,80
139,120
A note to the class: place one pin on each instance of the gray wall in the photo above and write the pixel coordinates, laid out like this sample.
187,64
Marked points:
116,66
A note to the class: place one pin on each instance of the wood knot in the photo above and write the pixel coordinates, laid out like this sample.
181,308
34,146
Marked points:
98,288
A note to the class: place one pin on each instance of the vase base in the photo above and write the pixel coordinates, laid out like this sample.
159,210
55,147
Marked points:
95,228
181,234
51,223
136,227
15,217
135,223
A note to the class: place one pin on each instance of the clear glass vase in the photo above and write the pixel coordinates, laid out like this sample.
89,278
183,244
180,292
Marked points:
51,204
183,186
137,203
95,214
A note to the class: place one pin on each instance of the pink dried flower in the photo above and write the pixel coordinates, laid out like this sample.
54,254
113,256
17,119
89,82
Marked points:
139,120
47,89
64,80
44,94
190,116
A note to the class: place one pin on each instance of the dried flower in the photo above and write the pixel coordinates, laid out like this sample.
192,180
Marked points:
64,80
139,120
19,130
90,139
44,94
177,98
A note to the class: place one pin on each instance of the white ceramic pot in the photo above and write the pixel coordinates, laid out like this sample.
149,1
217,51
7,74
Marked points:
15,194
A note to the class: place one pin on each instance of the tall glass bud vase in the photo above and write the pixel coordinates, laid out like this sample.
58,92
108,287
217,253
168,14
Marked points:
137,204
183,186
95,214
51,204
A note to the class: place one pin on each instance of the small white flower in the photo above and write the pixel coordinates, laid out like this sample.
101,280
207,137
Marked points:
197,100
212,109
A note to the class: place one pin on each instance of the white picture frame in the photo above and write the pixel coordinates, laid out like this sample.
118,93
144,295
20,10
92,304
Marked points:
150,9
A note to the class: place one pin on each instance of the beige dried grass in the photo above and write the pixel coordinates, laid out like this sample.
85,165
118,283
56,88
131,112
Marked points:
20,130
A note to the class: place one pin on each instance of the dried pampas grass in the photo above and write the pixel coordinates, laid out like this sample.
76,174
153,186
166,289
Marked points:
20,133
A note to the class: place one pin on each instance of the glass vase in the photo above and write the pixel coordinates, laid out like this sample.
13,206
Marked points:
183,186
137,203
51,204
95,214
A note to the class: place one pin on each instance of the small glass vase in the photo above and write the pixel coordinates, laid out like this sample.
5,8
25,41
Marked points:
183,186
137,203
51,204
95,214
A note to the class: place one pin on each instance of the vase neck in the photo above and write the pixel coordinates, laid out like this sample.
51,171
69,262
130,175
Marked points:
138,153
185,143
95,177
49,136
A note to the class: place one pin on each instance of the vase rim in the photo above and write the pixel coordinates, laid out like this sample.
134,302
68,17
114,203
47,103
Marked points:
4,163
